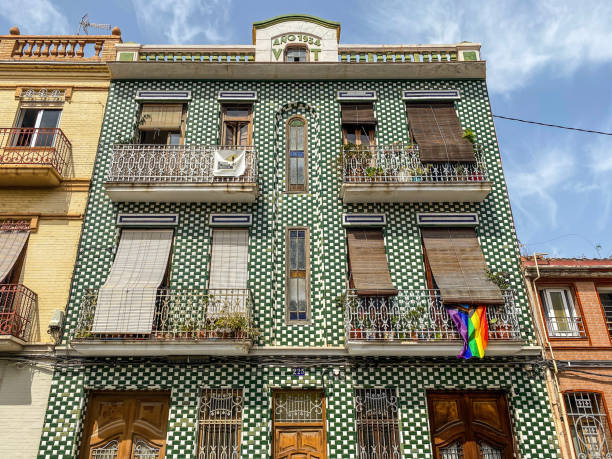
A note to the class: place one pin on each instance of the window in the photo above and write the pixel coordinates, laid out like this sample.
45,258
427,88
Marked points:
296,54
220,423
296,155
435,127
589,425
126,302
162,124
297,275
470,425
606,303
38,127
358,124
236,125
560,314
376,412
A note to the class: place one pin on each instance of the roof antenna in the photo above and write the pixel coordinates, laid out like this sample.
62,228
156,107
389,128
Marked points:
85,24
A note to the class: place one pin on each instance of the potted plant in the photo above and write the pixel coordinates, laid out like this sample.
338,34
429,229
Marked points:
469,135
460,172
419,172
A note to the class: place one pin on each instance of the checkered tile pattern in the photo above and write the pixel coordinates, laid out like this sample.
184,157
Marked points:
320,209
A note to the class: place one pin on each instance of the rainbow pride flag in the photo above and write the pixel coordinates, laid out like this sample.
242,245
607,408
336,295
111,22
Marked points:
473,328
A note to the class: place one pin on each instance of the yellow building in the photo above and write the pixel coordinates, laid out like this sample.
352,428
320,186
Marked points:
53,92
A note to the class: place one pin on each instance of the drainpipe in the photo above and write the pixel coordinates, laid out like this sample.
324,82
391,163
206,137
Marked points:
554,377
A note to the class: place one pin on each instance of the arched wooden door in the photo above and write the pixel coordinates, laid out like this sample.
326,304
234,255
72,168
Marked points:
470,425
299,425
126,425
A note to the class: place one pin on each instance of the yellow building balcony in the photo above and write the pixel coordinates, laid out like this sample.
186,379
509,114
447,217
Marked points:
18,308
34,157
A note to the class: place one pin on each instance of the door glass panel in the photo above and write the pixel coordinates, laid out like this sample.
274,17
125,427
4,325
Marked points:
108,451
452,451
144,450
48,122
298,406
489,452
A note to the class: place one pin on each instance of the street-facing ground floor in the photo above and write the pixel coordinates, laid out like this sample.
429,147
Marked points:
276,409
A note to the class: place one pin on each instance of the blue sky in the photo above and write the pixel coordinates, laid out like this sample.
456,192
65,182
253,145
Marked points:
547,61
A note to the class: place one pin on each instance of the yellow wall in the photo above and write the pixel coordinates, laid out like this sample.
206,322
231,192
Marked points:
52,247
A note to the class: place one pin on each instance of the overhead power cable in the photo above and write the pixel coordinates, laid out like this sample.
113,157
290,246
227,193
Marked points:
552,125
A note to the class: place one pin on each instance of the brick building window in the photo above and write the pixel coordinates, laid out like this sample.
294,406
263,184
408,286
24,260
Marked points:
606,303
589,425
560,314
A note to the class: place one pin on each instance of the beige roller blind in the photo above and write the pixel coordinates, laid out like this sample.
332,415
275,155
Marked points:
126,301
11,245
458,266
358,114
437,131
368,263
161,116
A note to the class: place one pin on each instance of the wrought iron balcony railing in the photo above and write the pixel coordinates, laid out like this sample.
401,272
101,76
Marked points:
157,164
420,315
565,327
180,314
18,305
398,163
36,146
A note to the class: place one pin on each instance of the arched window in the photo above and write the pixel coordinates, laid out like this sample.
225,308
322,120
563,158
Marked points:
297,155
296,54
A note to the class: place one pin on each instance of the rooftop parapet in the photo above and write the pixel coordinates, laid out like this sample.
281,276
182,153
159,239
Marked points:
64,48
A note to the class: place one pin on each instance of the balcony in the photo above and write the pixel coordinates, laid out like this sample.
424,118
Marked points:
185,322
182,173
394,173
18,308
416,323
34,157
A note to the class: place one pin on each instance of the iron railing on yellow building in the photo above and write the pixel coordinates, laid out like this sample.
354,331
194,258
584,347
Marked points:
18,305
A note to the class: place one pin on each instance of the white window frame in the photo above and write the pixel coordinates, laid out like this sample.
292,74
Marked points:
39,115
570,313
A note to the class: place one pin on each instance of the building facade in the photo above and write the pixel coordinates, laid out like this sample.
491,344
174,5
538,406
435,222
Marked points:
572,302
53,92
273,235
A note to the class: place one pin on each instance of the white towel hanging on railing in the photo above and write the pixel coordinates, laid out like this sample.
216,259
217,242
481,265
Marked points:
229,163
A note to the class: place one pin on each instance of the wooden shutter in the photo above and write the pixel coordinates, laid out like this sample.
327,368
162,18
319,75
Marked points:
358,114
436,129
458,266
166,117
126,301
11,245
368,263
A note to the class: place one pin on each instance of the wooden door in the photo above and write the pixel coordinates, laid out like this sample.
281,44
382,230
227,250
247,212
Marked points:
299,425
470,425
127,425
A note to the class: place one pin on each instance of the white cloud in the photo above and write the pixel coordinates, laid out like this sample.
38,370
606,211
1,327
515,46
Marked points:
39,17
535,185
185,21
519,38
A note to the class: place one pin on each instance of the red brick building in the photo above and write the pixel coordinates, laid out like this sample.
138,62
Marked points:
572,307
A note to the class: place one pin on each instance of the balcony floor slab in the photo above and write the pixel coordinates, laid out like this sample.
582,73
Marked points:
126,348
435,349
189,192
29,175
10,343
415,192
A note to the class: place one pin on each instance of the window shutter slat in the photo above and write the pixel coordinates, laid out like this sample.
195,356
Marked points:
437,131
458,266
228,260
368,263
161,116
358,114
126,301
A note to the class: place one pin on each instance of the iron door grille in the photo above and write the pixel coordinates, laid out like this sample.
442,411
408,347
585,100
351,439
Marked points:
376,412
220,422
589,425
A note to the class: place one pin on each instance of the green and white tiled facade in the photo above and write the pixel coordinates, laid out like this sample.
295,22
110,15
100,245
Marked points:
320,210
